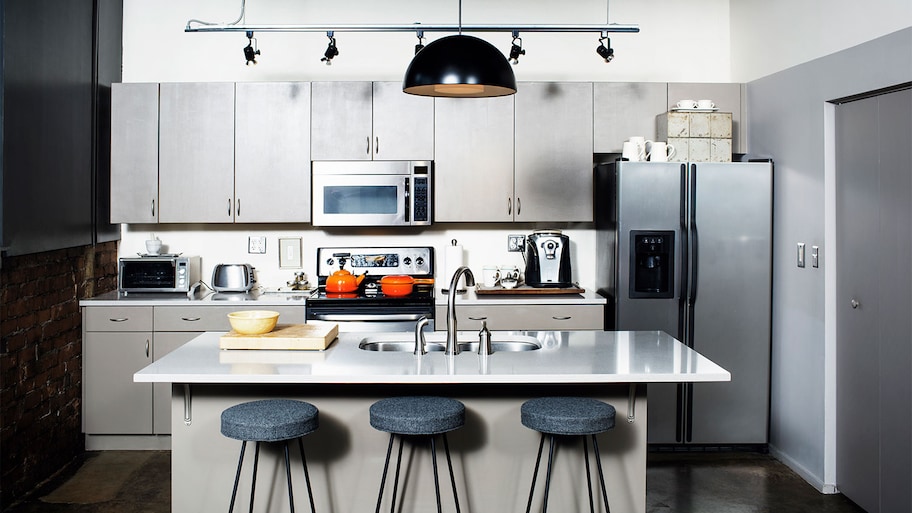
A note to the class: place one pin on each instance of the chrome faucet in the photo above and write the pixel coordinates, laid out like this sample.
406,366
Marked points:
452,347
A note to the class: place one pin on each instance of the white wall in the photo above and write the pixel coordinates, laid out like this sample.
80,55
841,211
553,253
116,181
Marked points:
771,35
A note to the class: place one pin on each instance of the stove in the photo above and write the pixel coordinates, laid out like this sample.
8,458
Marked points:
368,309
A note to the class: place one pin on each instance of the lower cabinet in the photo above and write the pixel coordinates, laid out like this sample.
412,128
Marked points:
518,317
119,341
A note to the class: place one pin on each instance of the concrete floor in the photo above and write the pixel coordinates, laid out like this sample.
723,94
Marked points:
139,481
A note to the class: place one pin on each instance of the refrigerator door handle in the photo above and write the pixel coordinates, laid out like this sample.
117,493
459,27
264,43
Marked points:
694,241
684,308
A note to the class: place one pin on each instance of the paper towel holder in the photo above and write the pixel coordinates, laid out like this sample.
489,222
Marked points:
453,259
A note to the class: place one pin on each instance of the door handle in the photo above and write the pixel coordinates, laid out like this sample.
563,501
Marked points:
377,145
518,206
239,207
509,206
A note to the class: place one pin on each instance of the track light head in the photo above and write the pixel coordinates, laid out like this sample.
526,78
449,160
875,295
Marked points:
250,51
420,45
516,49
604,49
331,50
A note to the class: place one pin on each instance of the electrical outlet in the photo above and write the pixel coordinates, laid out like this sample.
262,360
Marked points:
256,245
516,242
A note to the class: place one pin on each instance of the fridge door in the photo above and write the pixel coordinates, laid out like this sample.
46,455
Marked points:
731,291
649,199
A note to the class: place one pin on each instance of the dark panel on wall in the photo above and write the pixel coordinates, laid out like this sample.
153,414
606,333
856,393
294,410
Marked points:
47,124
108,70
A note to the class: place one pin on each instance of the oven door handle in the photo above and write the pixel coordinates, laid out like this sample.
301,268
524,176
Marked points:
367,317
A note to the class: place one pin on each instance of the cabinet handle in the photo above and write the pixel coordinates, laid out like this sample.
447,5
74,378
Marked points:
509,206
478,318
368,145
190,319
147,347
153,207
561,318
119,319
377,144
229,207
239,207
518,206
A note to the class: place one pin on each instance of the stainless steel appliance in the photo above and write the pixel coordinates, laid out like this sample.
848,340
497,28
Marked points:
367,308
547,257
687,249
232,278
372,193
158,273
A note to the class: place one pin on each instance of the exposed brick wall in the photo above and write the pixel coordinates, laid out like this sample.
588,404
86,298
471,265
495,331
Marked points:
41,360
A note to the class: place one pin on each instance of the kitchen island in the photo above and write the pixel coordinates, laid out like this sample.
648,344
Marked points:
493,453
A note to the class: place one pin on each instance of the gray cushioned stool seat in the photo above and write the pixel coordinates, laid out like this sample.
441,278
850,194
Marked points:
417,415
567,415
269,420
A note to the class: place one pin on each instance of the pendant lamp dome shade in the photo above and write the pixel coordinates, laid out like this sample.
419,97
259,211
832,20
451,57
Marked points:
460,67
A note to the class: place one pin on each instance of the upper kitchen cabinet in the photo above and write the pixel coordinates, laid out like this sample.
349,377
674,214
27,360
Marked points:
134,153
272,152
473,165
625,109
196,153
370,121
553,165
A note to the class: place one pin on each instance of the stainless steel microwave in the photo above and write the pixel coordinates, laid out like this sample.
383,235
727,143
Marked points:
158,273
372,193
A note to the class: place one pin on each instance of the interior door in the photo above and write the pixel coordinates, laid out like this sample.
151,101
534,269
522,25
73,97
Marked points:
873,289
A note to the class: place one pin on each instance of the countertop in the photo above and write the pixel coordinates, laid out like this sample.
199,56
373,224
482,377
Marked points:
565,357
261,298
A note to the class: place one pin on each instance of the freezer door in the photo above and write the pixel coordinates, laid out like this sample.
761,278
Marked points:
732,261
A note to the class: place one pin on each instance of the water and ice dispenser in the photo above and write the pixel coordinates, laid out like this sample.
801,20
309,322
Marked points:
652,264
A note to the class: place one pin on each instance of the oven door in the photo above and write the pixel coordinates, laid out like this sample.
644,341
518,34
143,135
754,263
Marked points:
360,200
365,318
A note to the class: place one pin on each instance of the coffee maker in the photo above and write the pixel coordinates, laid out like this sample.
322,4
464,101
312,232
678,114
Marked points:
547,259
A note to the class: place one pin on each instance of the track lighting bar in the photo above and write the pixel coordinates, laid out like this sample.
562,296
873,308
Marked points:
196,26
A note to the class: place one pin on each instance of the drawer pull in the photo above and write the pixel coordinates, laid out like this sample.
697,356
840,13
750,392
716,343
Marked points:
119,319
478,318
190,319
562,318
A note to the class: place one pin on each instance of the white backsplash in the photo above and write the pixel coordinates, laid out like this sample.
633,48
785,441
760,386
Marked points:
483,245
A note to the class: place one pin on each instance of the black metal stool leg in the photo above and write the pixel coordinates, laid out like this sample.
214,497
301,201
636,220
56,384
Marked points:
237,477
389,451
256,460
306,476
588,474
598,461
446,448
436,480
396,477
288,478
548,475
541,446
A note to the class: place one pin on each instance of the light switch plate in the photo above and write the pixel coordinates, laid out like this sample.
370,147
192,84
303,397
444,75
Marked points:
815,256
800,254
290,253
256,245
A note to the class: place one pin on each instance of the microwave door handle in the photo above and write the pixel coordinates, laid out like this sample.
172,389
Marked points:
408,201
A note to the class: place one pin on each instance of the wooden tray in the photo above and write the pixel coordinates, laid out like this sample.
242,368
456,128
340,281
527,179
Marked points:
313,336
525,289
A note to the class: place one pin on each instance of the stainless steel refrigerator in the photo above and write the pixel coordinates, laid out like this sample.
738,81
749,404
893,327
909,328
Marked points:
686,248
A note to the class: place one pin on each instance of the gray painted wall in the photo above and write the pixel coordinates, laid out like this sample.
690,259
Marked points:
787,121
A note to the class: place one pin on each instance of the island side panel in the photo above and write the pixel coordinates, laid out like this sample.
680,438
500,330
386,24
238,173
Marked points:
493,455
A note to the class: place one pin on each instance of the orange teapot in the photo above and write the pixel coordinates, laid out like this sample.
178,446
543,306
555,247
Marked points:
343,280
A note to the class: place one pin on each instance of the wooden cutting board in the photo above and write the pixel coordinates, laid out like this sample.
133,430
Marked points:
313,336
525,289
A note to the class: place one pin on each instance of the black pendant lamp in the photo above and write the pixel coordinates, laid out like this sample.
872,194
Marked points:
460,67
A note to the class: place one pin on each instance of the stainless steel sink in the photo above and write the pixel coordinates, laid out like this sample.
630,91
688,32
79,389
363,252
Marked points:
507,343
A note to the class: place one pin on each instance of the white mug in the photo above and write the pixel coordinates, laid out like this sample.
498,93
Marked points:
509,272
640,143
631,151
706,104
686,104
490,275
660,152
509,283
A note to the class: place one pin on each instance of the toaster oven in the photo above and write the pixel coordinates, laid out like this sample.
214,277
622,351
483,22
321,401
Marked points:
158,273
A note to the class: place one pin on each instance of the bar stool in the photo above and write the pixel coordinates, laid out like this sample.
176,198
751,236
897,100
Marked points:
417,416
270,420
567,416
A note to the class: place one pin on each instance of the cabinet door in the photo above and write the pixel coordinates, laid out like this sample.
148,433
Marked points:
134,153
625,109
525,317
163,344
272,152
403,124
341,121
113,403
196,153
473,163
553,172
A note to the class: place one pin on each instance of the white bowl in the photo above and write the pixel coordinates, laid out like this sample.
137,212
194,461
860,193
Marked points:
153,246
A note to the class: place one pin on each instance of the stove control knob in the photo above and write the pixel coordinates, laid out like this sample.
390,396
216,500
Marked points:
407,261
419,261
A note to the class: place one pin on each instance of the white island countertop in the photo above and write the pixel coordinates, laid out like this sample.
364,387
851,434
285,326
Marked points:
565,357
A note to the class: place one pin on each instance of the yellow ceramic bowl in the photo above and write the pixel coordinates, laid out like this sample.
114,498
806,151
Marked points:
253,322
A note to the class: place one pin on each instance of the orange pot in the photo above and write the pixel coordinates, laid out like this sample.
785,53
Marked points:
401,284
